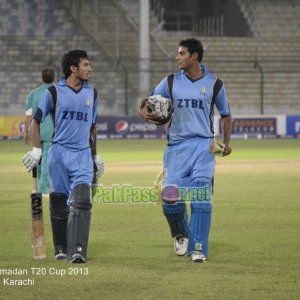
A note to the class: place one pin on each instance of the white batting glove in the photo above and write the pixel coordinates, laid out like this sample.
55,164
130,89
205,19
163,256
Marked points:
32,158
99,163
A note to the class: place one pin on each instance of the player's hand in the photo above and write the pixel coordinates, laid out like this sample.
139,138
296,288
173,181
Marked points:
32,158
144,111
227,150
99,164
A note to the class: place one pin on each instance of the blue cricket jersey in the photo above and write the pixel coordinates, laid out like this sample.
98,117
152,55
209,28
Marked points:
74,113
193,105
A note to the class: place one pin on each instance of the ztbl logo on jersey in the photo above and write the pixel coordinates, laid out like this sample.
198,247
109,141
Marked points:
192,103
88,102
74,115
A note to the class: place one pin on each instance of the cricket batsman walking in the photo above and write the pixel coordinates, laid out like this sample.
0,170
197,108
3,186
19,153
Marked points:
189,159
73,104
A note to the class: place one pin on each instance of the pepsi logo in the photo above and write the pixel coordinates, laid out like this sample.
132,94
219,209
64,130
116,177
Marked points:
121,126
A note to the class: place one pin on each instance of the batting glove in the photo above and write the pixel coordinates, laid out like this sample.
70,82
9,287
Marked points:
99,164
32,158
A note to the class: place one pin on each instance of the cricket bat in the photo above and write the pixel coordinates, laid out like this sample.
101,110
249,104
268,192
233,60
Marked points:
37,222
94,183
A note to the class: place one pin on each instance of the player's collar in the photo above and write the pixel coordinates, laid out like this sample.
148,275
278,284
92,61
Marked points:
204,73
204,69
62,81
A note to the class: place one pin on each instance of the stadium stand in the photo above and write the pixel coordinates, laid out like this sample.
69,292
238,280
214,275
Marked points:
35,34
273,18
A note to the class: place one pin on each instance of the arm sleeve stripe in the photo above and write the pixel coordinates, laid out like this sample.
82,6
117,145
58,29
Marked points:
224,116
217,87
95,97
53,92
170,80
38,115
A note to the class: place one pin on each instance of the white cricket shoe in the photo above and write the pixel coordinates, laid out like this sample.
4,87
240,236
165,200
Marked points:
60,254
77,258
181,245
198,257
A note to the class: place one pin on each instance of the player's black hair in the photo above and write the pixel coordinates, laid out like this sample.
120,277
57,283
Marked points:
194,46
72,58
48,75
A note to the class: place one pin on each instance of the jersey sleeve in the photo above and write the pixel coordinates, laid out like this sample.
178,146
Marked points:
161,89
44,107
95,108
222,102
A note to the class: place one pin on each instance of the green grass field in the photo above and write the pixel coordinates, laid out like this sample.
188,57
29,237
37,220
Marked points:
254,242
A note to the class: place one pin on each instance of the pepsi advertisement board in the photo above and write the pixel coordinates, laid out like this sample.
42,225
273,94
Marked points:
128,128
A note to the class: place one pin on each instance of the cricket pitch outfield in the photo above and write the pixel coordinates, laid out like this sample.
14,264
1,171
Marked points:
254,242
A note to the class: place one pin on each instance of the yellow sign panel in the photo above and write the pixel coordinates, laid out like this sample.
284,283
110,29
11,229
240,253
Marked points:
11,125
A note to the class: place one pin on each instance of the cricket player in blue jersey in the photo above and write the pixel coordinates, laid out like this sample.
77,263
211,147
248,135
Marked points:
189,160
46,128
73,104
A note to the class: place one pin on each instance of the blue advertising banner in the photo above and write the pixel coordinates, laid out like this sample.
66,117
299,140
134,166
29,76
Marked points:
128,127
293,126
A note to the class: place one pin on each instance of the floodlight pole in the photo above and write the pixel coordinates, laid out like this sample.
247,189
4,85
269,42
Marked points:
144,49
